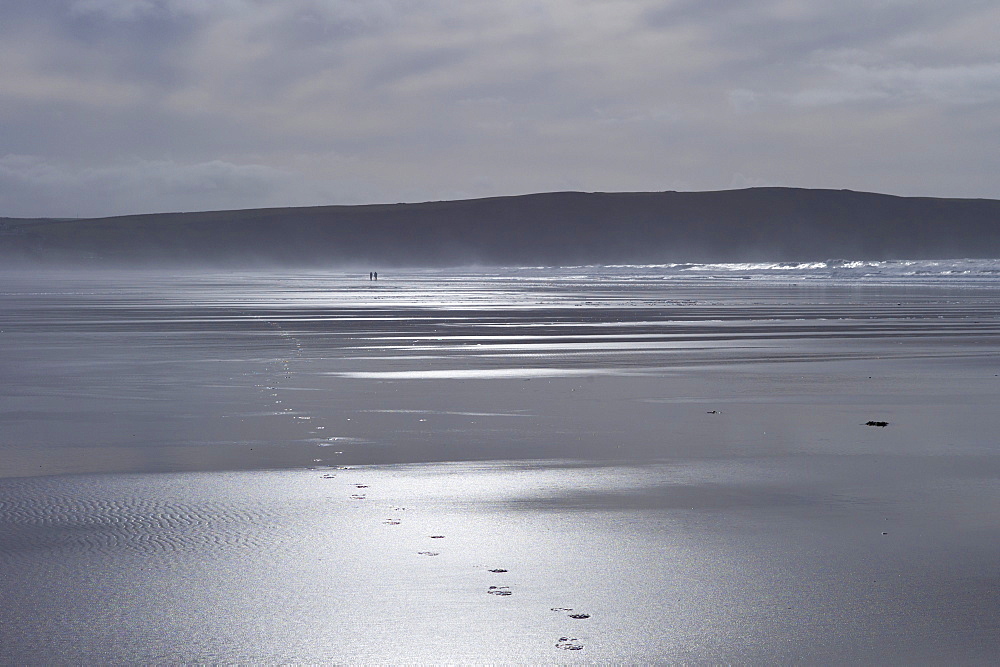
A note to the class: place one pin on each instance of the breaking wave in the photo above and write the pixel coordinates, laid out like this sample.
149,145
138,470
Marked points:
907,270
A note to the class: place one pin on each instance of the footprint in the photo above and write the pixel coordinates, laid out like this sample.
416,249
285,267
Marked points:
561,609
329,476
429,553
579,615
360,486
358,496
391,522
497,571
500,590
569,644
436,537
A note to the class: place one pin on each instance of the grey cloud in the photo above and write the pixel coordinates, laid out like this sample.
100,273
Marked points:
433,99
963,84
114,9
855,79
135,10
151,186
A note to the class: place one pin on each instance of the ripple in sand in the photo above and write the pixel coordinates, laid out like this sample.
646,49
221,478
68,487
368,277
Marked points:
52,521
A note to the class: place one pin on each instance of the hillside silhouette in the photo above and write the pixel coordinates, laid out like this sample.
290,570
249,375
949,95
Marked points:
561,228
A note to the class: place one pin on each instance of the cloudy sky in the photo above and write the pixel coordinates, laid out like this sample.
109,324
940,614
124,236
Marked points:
125,106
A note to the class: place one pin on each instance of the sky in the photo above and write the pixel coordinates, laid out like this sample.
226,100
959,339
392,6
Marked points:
112,107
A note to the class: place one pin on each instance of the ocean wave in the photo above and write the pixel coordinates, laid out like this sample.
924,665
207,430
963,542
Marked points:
835,269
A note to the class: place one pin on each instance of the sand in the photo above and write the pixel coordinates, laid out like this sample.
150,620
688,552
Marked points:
194,470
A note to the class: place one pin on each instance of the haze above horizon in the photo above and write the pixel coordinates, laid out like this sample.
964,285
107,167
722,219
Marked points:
115,107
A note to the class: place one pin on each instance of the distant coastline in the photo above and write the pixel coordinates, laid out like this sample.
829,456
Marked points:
559,228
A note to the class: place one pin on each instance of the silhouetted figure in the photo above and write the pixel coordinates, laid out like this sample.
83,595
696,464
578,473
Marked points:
370,275
376,275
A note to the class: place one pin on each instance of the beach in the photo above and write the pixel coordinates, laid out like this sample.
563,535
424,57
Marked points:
591,464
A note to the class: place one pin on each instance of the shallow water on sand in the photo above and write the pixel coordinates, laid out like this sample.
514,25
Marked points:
148,372
251,467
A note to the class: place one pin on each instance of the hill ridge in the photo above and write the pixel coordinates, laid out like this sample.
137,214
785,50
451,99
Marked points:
547,228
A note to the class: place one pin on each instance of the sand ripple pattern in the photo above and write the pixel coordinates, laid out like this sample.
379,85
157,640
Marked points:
152,526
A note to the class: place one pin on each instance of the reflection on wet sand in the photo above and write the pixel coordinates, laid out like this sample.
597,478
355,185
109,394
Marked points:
301,469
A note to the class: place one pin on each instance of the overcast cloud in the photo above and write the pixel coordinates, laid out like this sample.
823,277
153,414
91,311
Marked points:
126,106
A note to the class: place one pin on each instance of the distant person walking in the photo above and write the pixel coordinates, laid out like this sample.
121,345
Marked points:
376,275
371,275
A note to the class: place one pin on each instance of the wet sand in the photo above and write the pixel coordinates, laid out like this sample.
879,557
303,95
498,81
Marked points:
307,472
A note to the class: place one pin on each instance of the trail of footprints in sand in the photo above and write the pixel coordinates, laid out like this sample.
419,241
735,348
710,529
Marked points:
280,371
276,373
565,642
